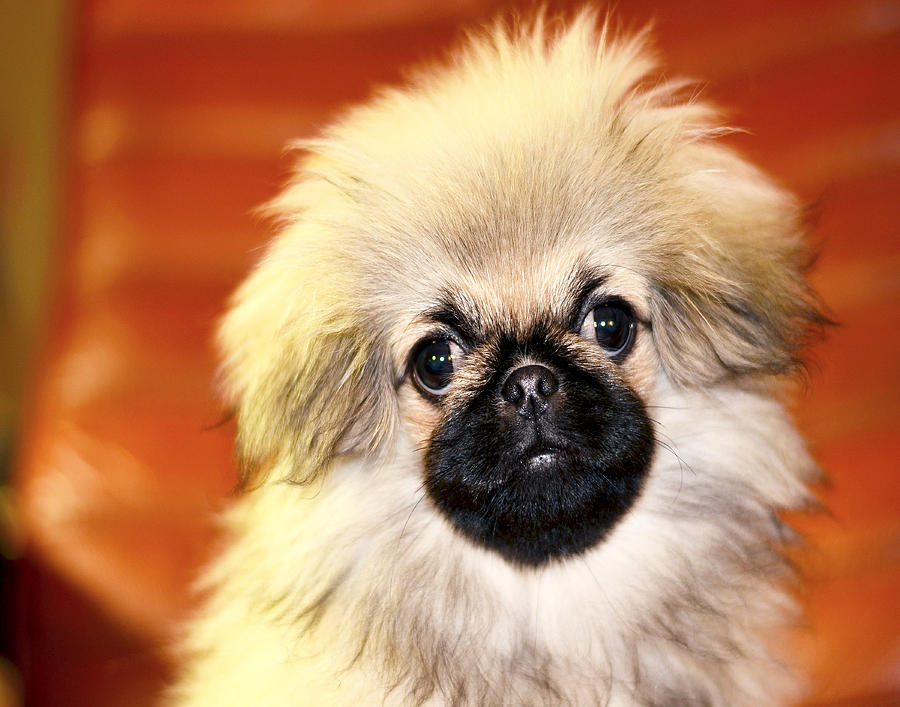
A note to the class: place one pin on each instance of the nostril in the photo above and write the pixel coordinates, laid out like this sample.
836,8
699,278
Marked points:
514,394
547,384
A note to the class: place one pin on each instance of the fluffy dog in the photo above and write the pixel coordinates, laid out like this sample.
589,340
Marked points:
507,384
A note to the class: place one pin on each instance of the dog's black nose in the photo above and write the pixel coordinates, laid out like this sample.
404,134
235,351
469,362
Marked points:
528,388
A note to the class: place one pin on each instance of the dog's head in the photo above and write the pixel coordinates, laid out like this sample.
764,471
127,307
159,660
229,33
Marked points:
499,264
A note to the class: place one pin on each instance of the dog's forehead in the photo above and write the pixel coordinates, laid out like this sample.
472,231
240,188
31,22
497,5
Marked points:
516,290
507,290
505,244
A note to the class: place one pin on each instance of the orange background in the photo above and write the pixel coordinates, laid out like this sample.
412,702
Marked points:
174,134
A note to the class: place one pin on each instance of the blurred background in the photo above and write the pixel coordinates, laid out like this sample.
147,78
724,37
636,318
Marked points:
137,137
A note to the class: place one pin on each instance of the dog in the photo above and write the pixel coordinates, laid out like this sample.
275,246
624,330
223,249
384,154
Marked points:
509,384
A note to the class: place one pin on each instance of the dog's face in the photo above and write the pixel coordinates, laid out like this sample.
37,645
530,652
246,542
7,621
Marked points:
506,292
524,388
537,439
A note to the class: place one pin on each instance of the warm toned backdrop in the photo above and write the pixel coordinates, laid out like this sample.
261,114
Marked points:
173,135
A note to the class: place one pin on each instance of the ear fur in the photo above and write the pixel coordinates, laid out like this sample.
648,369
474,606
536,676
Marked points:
730,294
308,382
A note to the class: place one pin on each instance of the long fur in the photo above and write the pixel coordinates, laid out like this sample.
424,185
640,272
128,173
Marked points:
539,150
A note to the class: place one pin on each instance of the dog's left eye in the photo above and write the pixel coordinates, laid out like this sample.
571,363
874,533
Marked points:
612,326
434,362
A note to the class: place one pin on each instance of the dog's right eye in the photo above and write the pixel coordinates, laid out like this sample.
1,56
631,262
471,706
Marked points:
434,361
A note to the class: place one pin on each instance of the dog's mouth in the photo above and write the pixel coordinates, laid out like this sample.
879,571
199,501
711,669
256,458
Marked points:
536,440
543,447
544,455
541,459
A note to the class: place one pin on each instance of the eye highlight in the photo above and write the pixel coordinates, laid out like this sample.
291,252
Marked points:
433,364
612,325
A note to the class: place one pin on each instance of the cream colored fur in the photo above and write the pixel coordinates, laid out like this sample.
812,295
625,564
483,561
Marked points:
539,150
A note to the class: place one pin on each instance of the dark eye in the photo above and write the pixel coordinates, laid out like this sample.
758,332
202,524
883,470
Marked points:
434,362
612,326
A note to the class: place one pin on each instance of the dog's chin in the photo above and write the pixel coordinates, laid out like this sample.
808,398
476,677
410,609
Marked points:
556,495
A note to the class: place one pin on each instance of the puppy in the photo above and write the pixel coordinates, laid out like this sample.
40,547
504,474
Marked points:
507,383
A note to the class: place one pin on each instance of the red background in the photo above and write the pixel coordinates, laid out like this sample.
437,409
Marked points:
174,135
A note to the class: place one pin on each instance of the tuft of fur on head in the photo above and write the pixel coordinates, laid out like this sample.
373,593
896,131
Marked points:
541,150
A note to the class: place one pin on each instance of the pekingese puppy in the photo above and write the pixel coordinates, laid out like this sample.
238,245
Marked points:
507,385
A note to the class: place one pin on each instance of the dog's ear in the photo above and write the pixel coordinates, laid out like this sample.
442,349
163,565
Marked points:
306,379
730,292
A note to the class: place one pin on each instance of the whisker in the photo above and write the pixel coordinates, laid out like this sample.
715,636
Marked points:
412,510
